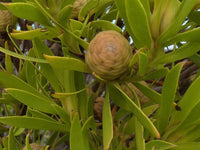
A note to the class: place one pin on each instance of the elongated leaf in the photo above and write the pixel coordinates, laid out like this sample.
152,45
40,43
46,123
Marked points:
157,74
79,80
146,5
63,115
184,51
33,123
159,144
59,64
150,93
136,13
87,8
40,33
86,131
122,10
190,99
11,140
195,59
27,142
11,81
167,97
23,10
64,15
139,131
22,56
122,100
33,101
143,61
107,122
37,114
105,25
40,48
189,36
30,70
187,146
76,134
184,9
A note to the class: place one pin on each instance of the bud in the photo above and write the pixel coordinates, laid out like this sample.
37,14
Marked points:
6,19
109,55
77,6
34,146
163,15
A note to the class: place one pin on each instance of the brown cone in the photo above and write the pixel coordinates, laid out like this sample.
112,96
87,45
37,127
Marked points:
109,55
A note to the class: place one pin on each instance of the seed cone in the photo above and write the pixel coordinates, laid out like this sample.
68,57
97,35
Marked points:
6,18
34,146
109,55
77,6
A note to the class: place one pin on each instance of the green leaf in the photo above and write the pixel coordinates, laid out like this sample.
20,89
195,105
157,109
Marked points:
182,52
23,10
33,101
143,62
195,59
187,146
188,36
150,93
40,48
167,97
184,9
146,5
40,33
30,70
79,80
28,147
136,13
64,15
107,122
76,134
11,140
110,15
8,64
105,25
139,135
63,115
86,131
157,74
11,81
189,101
122,100
33,123
122,10
38,114
60,64
87,8
159,144
22,56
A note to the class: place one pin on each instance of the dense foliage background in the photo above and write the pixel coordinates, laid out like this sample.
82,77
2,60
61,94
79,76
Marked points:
51,99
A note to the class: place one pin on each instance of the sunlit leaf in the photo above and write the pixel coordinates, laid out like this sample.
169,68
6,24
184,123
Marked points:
31,100
11,140
107,122
168,95
136,13
184,51
105,25
76,134
122,100
184,9
33,123
22,56
159,144
23,10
